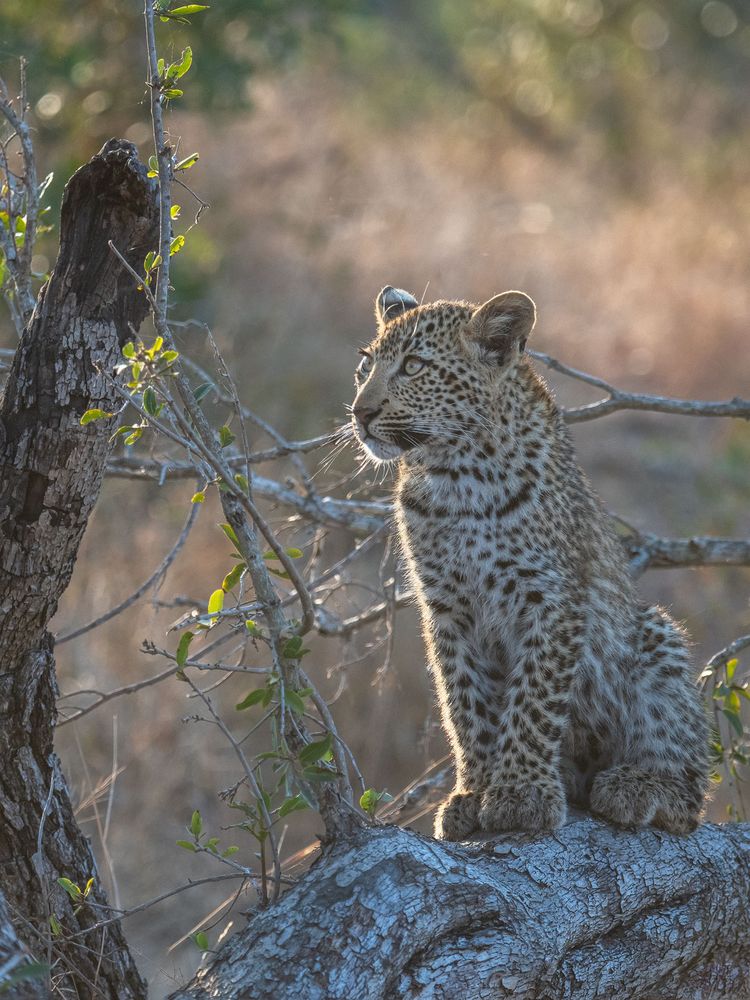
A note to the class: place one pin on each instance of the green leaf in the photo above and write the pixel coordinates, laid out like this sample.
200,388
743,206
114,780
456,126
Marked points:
196,823
291,805
183,647
198,497
55,925
731,667
191,8
734,720
89,886
176,70
148,261
174,212
176,245
125,429
201,940
132,438
203,390
215,601
91,415
230,851
170,356
150,402
172,93
242,482
155,347
225,436
252,699
281,573
252,627
188,162
211,844
294,553
128,350
231,535
71,888
294,701
316,751
233,577
160,67
370,799
293,648
315,773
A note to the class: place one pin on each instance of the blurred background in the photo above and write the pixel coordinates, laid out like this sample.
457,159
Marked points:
590,152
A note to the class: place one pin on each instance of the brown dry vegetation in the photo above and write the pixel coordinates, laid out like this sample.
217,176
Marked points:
320,207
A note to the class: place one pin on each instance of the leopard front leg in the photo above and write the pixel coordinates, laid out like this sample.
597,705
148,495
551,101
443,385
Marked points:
525,789
454,667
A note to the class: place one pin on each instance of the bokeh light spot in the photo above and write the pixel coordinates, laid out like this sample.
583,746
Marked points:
49,105
649,30
718,18
534,98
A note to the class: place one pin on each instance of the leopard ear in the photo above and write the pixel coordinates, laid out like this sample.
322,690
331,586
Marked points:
502,325
392,302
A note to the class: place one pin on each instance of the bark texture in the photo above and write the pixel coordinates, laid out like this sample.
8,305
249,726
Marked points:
51,471
591,912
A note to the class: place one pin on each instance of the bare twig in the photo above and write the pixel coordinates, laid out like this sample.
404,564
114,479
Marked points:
727,653
651,552
22,197
122,914
157,575
619,400
253,784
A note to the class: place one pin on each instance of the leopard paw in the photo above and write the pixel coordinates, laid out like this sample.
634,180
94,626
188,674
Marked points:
522,807
456,818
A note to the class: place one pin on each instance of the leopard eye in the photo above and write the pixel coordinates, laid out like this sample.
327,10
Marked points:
364,368
413,365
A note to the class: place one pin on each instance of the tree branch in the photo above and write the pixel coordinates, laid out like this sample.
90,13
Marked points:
619,400
588,912
651,552
51,469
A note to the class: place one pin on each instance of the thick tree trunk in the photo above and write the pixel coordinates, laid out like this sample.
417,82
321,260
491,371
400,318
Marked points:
590,912
51,471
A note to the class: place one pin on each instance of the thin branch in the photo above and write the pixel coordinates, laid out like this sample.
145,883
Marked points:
360,516
652,552
27,200
157,575
618,400
164,161
338,744
727,653
105,696
252,782
122,914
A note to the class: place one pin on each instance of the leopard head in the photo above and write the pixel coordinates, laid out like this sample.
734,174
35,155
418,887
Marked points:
433,372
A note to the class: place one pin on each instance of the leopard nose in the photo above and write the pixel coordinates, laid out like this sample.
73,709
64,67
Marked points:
366,413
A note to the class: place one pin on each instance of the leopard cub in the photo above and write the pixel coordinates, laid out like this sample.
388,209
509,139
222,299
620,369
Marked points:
556,683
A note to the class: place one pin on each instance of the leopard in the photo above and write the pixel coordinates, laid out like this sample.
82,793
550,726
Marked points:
558,687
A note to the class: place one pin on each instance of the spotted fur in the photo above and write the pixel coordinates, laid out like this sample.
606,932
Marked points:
556,684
